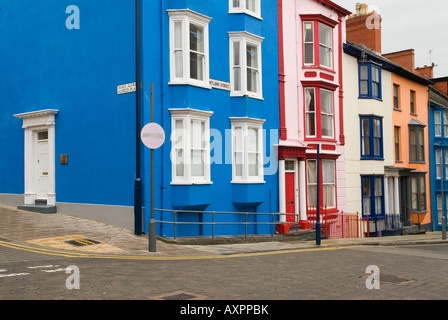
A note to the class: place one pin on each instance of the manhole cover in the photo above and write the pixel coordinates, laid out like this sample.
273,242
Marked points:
180,296
389,278
81,242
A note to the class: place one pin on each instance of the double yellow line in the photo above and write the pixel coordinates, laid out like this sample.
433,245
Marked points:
72,254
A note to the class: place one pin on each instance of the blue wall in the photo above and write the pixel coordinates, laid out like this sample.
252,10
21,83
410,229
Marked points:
44,65
221,195
437,143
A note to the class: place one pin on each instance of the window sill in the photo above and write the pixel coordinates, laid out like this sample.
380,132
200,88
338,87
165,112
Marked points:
247,182
189,83
245,95
397,109
414,114
191,183
313,67
372,158
371,98
420,162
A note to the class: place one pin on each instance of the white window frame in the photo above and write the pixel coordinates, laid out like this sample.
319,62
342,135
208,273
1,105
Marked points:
244,39
185,144
240,6
246,124
185,17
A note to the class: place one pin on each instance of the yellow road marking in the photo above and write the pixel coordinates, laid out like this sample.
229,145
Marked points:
177,258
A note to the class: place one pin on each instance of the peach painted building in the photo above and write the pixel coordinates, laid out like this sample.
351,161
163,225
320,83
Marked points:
411,138
311,34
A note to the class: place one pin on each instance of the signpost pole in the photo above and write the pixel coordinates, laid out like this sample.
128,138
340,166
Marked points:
318,237
138,182
152,222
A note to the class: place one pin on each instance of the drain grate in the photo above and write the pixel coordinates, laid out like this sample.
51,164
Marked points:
178,295
82,242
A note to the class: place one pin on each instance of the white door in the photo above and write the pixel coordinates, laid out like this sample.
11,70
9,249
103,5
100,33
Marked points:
42,165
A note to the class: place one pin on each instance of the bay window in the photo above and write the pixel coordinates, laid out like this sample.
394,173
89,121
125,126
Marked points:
247,150
371,138
251,7
245,64
372,195
328,183
319,113
189,60
190,139
418,193
416,143
318,41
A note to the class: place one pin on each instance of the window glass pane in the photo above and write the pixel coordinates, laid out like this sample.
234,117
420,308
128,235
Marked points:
325,56
438,164
197,163
309,42
326,113
421,147
309,53
251,5
325,35
196,38
439,209
328,171
375,74
178,35
252,68
253,164
325,39
236,3
311,171
438,123
196,66
364,87
375,89
365,129
445,123
310,112
414,193
289,165
42,135
179,163
364,72
366,196
413,145
422,193
309,34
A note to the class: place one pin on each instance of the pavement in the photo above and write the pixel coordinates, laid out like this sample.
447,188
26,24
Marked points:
65,234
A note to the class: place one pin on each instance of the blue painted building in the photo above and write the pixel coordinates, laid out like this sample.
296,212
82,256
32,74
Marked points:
438,148
68,116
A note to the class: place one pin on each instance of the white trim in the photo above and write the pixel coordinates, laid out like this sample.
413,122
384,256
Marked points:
33,122
185,17
244,39
245,124
187,116
242,8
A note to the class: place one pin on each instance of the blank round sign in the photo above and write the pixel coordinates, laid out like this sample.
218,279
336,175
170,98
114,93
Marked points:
153,136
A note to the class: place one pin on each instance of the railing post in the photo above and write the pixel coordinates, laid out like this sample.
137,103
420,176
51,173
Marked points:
245,229
175,223
213,225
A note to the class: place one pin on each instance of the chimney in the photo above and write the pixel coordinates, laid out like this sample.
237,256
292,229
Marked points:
405,58
364,27
442,85
426,71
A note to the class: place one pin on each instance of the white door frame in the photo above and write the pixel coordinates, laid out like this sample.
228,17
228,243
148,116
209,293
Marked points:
34,122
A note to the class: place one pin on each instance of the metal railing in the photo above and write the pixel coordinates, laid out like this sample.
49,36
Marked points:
214,223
